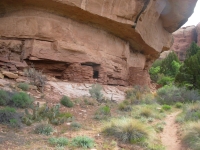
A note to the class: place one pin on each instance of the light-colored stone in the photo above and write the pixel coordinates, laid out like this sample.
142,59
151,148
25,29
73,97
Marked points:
1,76
10,74
3,82
76,90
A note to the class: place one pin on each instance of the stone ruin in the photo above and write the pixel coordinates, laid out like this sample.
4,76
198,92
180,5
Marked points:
110,42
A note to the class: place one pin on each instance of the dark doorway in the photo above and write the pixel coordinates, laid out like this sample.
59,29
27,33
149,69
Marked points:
95,74
95,68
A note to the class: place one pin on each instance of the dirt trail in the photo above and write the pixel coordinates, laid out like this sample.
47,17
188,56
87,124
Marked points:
169,135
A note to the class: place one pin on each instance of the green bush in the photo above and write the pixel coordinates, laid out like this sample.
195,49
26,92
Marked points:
103,112
10,117
127,130
82,141
75,126
66,101
52,114
171,94
44,129
189,73
192,136
165,80
146,112
96,92
59,142
5,97
21,100
23,86
166,107
124,107
179,105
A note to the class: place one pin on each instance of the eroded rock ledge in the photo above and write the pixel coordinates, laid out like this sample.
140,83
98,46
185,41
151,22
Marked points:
106,41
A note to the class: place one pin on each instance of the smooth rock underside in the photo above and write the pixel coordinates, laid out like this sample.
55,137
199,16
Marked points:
105,41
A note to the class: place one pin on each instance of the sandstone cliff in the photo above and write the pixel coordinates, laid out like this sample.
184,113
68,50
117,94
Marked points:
183,39
106,41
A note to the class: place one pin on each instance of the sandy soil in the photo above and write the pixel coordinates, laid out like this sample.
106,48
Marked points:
169,135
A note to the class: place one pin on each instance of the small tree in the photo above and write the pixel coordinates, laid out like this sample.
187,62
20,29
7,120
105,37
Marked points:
194,48
189,74
169,65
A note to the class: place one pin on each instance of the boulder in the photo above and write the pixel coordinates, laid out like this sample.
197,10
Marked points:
10,74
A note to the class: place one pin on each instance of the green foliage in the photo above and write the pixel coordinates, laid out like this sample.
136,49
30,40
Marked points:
52,114
10,117
59,142
171,94
166,107
127,130
193,50
44,129
154,73
23,86
146,112
189,74
96,92
82,141
75,126
159,126
36,77
21,100
169,65
179,105
123,106
192,136
103,112
165,71
66,101
5,97
165,80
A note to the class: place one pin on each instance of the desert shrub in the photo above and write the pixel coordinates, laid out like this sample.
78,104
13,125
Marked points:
75,126
192,136
124,107
179,105
36,77
59,142
96,92
146,112
23,86
171,94
166,107
103,112
82,141
159,126
21,100
66,101
5,97
127,130
52,114
10,117
192,112
44,129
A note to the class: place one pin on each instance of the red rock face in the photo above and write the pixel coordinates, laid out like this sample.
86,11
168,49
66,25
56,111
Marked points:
106,41
182,40
198,34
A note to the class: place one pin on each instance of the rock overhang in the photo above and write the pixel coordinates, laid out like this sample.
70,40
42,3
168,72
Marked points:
125,34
